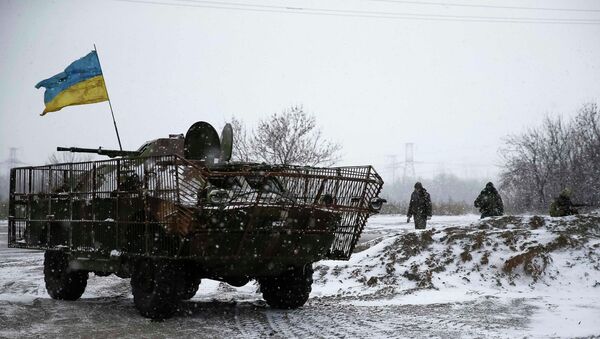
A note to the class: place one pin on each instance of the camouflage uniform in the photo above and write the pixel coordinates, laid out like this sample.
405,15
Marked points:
420,206
489,202
562,205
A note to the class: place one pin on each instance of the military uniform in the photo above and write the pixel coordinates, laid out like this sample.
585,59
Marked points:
489,202
420,206
562,206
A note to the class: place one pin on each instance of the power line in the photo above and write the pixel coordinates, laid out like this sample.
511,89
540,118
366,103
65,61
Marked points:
362,14
376,13
446,4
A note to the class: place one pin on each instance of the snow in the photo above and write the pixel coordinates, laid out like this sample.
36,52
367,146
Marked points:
379,292
566,315
566,296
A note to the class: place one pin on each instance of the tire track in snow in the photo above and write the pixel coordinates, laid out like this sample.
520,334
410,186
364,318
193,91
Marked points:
239,325
277,324
251,323
326,321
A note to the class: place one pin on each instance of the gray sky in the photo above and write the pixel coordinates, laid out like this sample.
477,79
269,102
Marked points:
454,88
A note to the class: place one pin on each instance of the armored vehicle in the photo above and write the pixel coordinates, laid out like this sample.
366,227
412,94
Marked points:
178,210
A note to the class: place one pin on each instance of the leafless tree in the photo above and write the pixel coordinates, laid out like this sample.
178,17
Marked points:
543,161
65,157
241,142
289,138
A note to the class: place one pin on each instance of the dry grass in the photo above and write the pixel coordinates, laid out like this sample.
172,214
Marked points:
534,261
509,237
501,222
423,278
478,240
536,258
485,258
507,242
453,234
536,222
372,281
466,255
409,245
427,237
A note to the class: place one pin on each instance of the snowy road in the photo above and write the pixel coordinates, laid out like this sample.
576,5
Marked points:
219,311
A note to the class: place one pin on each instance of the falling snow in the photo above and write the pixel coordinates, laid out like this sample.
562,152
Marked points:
398,283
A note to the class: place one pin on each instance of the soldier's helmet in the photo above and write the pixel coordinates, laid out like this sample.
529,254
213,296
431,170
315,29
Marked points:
566,192
489,185
418,185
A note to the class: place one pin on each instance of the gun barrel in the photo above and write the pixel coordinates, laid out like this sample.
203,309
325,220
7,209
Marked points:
108,152
583,205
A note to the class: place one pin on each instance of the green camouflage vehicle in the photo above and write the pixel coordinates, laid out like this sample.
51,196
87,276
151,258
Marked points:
177,211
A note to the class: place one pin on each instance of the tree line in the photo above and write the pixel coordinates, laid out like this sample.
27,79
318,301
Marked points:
538,163
557,155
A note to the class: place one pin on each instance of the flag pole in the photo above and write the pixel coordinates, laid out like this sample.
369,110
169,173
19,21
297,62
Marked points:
108,97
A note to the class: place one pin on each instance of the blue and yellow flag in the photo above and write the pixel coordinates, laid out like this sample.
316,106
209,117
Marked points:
81,83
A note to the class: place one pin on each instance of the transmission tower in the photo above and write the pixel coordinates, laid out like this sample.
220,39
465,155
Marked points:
409,162
12,160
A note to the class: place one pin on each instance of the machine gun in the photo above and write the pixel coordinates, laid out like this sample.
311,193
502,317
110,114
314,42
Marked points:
583,205
108,152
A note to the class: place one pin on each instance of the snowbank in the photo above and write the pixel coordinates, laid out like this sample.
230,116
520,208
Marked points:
495,254
553,262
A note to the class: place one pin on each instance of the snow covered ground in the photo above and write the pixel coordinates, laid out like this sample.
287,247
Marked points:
502,277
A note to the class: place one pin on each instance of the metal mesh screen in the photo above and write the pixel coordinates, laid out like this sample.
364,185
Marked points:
123,204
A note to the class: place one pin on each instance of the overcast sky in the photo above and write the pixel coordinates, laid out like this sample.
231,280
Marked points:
454,88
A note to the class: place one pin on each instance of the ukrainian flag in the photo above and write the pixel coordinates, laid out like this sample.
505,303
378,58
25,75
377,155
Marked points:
81,83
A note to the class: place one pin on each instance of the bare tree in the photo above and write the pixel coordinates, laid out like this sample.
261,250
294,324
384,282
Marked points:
289,138
542,161
241,142
65,157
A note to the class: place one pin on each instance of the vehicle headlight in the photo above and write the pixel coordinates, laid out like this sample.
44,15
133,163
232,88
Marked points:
377,203
218,196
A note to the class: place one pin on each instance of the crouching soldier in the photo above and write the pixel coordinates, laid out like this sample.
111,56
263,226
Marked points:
419,207
562,205
489,202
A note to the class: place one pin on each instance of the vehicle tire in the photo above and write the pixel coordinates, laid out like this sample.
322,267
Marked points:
289,290
63,282
188,286
154,292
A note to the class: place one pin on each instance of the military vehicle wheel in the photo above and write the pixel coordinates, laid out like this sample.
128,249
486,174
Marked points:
188,292
154,293
289,290
188,286
62,282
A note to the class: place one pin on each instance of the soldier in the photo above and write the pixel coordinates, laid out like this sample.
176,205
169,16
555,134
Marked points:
489,202
419,207
562,205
